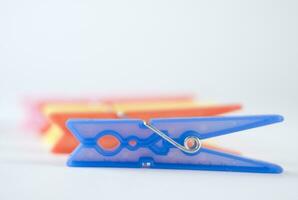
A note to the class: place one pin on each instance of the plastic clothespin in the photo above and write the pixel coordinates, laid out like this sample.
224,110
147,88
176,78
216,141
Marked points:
115,105
60,140
173,143
36,107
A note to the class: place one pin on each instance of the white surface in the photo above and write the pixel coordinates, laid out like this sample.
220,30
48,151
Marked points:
230,51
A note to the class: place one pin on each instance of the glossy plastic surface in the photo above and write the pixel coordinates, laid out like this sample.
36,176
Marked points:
140,147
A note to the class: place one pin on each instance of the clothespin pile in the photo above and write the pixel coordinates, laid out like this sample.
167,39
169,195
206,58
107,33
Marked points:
166,132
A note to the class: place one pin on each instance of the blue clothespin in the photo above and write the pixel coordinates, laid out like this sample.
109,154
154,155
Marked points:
172,143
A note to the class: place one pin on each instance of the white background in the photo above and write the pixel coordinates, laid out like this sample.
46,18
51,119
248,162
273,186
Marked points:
229,51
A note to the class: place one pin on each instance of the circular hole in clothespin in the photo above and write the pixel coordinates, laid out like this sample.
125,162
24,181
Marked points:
108,142
192,143
132,143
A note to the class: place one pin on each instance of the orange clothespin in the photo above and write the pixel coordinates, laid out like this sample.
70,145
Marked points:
62,141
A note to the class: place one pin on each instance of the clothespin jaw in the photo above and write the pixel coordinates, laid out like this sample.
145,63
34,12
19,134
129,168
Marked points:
65,142
69,107
60,140
174,143
36,119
